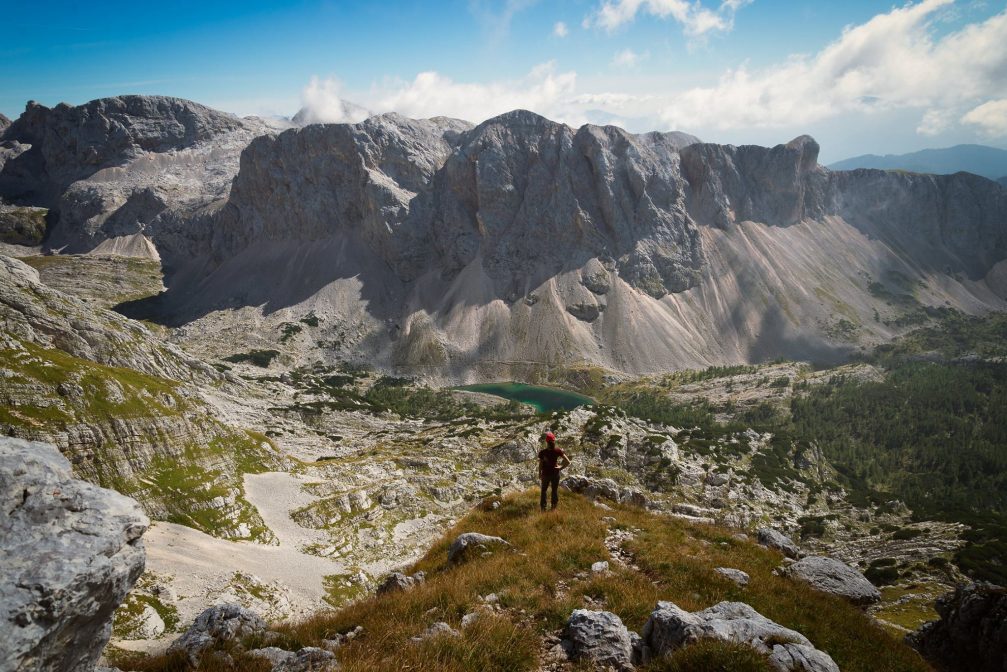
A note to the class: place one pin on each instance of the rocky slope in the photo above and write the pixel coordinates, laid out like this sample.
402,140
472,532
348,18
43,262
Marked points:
70,552
123,406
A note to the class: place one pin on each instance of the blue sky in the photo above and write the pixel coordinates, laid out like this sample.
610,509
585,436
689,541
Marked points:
860,76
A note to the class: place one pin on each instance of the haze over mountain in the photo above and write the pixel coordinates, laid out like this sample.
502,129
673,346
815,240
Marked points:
982,160
458,251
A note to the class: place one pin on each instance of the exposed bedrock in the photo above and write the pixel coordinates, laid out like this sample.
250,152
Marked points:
70,553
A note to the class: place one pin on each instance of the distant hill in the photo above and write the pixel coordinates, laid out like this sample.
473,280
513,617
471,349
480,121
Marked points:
979,159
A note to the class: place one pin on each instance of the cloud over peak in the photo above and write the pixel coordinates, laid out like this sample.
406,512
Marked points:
897,63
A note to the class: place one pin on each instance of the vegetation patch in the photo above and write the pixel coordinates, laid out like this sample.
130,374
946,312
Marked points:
22,226
260,358
538,585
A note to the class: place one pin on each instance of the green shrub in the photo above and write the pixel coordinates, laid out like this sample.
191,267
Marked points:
260,358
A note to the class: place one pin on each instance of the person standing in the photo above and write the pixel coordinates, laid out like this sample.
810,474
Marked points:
551,461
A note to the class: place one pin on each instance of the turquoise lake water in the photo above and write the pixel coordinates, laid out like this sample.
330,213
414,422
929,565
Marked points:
542,398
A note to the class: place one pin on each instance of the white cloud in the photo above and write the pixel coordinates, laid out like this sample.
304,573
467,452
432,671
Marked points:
991,117
496,17
935,122
627,58
323,103
891,62
544,90
695,19
895,64
560,29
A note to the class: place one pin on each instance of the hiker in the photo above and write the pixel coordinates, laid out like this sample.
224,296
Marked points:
551,461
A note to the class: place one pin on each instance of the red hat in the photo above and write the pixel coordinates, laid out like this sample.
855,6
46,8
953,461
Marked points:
550,437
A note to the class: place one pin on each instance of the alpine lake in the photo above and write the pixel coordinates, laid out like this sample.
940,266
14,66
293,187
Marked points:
544,399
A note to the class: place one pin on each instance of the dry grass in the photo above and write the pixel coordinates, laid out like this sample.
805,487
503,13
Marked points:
547,575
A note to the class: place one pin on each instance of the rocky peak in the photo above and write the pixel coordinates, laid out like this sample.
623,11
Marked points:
779,185
4,123
673,139
69,143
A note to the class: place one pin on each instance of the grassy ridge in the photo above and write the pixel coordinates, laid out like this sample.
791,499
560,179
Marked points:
548,575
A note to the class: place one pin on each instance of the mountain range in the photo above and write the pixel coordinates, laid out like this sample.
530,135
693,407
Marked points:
989,162
468,252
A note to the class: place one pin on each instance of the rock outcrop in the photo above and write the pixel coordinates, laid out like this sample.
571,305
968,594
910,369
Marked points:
473,542
736,575
605,488
22,226
70,553
215,626
32,312
69,143
600,637
121,166
670,627
119,402
834,577
397,581
771,538
307,659
971,634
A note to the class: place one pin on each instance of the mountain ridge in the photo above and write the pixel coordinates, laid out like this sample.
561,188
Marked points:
444,247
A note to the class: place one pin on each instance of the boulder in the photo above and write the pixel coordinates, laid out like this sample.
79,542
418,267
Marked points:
218,624
604,487
586,312
436,630
70,553
670,628
463,546
775,539
832,576
736,575
273,654
971,633
601,637
397,581
307,659
150,625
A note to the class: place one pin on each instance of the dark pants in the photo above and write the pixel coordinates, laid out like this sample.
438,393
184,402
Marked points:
547,481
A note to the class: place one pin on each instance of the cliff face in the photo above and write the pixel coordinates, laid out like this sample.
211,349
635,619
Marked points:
777,186
527,195
944,223
71,143
523,240
70,551
114,167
